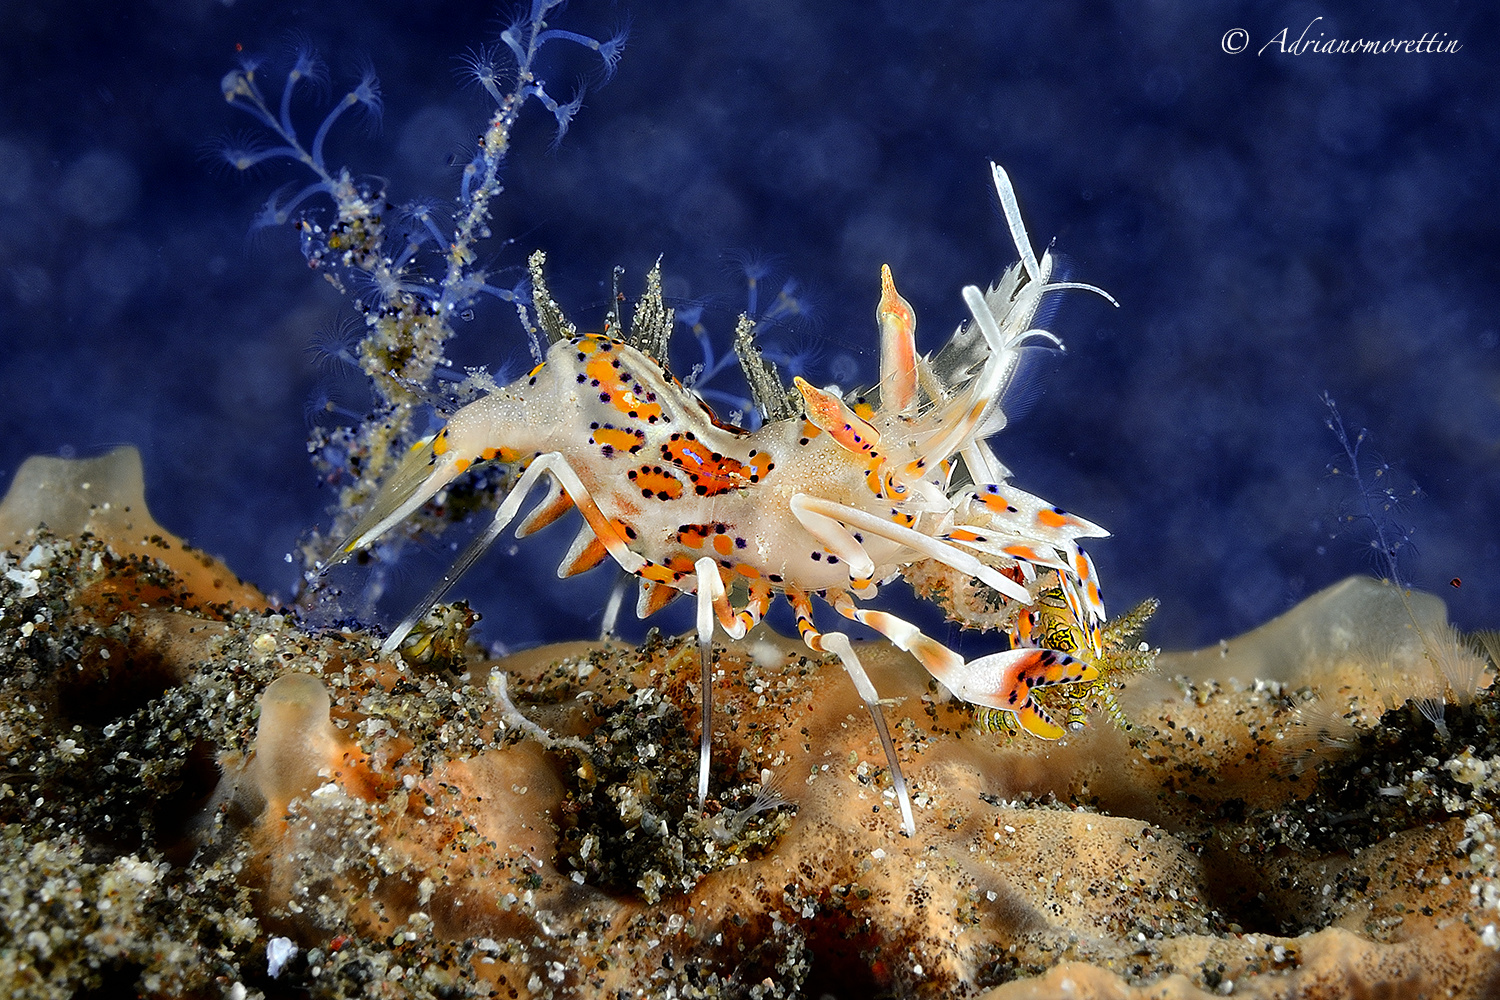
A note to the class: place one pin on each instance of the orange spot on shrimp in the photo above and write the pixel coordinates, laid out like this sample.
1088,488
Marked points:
995,502
694,535
710,472
723,545
654,482
1054,518
657,573
762,465
619,388
613,439
440,443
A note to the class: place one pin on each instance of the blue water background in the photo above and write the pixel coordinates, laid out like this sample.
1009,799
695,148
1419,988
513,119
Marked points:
1273,225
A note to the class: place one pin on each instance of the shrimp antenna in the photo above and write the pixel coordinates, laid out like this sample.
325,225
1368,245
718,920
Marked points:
1012,211
1011,208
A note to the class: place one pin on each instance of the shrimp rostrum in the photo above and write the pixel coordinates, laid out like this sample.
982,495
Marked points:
829,498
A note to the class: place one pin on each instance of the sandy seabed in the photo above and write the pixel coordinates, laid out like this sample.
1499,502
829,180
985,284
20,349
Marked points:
201,798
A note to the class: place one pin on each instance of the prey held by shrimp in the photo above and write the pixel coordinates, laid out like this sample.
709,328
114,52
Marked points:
830,498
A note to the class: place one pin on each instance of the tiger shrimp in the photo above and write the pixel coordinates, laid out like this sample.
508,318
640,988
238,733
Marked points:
829,498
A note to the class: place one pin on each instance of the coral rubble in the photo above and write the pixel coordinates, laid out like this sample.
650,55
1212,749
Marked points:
201,797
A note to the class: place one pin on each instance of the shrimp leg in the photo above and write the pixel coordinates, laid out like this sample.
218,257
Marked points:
1001,680
710,591
852,517
551,463
838,644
